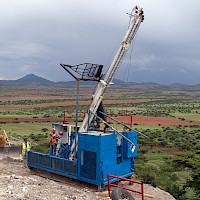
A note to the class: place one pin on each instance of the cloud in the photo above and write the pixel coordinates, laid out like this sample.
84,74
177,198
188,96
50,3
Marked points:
36,36
2,78
144,62
183,71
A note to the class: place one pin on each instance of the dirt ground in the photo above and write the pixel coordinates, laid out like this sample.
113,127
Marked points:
155,121
136,119
70,103
19,183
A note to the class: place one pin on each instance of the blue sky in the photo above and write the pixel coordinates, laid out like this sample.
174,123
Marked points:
36,36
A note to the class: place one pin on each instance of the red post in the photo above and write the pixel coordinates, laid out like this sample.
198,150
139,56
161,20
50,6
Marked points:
142,190
131,121
109,185
64,116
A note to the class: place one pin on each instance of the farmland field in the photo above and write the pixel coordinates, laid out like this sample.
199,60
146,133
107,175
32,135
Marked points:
168,116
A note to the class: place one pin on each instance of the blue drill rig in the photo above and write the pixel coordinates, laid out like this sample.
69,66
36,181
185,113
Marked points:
83,152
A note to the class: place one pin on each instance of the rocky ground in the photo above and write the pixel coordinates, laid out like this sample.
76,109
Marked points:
19,183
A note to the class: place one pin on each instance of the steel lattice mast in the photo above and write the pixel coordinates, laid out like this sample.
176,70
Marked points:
136,16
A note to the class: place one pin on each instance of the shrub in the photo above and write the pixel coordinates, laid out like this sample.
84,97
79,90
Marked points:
149,179
45,129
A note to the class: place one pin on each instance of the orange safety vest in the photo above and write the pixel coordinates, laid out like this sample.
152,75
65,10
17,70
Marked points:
53,138
25,147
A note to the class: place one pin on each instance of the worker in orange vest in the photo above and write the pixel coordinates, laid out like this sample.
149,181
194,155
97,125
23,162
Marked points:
53,143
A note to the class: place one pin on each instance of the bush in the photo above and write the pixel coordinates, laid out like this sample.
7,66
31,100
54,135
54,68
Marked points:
176,191
45,129
148,179
42,147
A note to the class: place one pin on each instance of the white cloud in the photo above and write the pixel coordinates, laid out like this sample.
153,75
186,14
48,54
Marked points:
145,61
183,71
38,35
2,78
25,69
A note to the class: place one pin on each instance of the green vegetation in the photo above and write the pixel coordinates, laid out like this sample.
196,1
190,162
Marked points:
181,108
169,158
174,164
185,138
176,173
43,112
37,133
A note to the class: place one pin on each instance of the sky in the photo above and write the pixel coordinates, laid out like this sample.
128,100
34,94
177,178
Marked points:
37,35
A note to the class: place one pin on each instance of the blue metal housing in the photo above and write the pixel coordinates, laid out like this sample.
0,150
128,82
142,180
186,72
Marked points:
99,154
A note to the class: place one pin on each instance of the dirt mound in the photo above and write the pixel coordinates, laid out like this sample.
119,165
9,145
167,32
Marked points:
11,159
10,152
19,183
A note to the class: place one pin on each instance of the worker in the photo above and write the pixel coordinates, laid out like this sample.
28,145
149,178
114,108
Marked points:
58,142
100,114
53,143
26,146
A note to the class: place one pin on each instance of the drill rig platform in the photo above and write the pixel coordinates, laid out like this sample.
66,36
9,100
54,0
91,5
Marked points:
85,153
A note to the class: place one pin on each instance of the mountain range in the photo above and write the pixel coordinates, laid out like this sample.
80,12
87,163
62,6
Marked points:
32,79
29,79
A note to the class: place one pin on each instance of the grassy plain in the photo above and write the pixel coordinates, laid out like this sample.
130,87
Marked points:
25,129
168,158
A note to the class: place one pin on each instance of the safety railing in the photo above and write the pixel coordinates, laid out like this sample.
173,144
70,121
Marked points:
118,178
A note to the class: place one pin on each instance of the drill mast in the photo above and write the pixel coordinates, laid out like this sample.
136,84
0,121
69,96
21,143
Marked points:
137,17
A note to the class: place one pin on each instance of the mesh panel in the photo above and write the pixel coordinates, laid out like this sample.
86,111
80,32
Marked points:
33,158
70,167
57,163
88,70
88,165
44,160
85,71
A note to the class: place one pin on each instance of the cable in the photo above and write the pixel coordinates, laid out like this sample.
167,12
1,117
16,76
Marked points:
115,48
127,70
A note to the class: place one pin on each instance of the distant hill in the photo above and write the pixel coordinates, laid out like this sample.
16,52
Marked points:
29,79
179,85
32,79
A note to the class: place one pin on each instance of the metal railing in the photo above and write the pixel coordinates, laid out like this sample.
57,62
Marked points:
117,178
